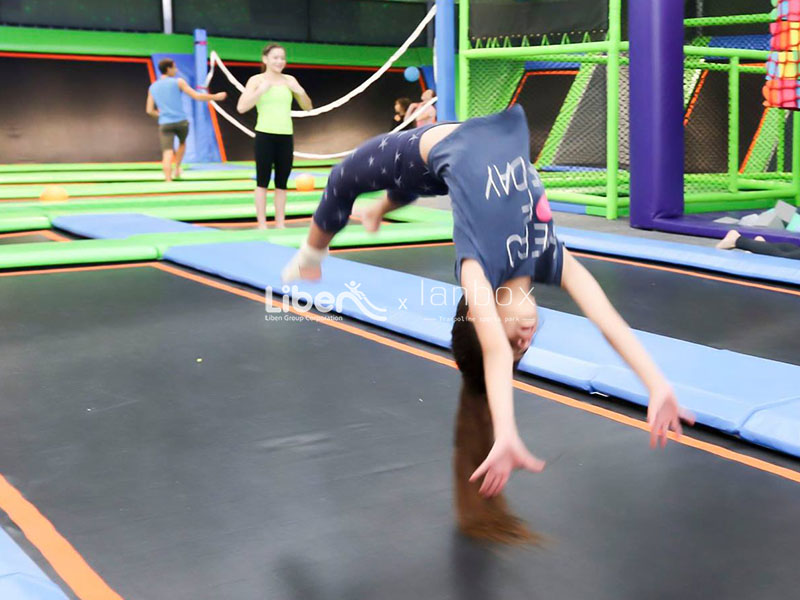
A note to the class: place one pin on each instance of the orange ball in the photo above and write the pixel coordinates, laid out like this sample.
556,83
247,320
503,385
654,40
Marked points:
54,193
304,182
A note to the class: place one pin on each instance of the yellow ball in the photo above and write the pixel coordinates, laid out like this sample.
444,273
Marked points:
304,182
54,193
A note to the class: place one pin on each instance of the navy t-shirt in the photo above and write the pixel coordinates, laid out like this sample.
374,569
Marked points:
500,210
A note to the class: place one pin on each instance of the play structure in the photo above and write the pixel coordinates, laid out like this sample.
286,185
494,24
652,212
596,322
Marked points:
580,75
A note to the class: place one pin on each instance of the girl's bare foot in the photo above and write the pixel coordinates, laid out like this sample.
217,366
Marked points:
370,217
311,273
178,172
261,226
305,264
729,241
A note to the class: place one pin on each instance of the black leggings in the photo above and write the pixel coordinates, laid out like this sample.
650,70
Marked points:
273,149
784,250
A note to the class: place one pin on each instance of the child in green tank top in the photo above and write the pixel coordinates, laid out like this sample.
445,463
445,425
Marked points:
271,93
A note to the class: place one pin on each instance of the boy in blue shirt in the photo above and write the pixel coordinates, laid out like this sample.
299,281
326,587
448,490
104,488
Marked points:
165,102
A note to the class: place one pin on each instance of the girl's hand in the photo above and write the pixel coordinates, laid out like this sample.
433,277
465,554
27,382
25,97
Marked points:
508,453
665,414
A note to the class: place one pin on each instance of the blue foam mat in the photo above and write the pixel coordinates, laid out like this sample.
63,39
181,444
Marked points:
777,427
568,207
755,266
20,577
120,225
785,270
719,386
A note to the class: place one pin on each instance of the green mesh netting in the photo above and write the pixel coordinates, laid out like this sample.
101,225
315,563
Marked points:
493,84
730,149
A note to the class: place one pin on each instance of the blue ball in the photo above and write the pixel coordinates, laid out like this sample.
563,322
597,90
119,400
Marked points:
411,74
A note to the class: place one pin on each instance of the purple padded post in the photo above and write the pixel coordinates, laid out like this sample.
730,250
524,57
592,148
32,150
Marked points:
655,30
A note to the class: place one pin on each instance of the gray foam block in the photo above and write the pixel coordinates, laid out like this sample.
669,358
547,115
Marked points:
785,211
749,221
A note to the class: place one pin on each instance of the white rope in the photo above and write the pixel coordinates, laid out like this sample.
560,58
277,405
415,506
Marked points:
235,123
215,60
231,120
408,120
375,76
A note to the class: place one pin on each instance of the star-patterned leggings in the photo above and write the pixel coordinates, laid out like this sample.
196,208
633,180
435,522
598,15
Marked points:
390,162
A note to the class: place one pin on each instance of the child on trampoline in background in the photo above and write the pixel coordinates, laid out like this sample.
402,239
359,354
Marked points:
165,102
505,243
428,117
758,245
271,93
400,111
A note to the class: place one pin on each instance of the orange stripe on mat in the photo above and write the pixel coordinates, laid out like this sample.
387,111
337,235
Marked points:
56,237
22,233
74,269
403,247
66,561
730,280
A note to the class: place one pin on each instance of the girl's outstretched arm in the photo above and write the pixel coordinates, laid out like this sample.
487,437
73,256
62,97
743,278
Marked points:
663,413
508,452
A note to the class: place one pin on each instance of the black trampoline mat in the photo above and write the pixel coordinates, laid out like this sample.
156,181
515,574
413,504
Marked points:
300,461
736,317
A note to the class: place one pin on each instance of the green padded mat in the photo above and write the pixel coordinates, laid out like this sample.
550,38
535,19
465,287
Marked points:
61,177
135,166
133,204
55,167
144,187
107,176
153,246
42,254
21,216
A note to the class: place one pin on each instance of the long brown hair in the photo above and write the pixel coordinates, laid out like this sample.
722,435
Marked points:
487,519
467,349
404,104
265,52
